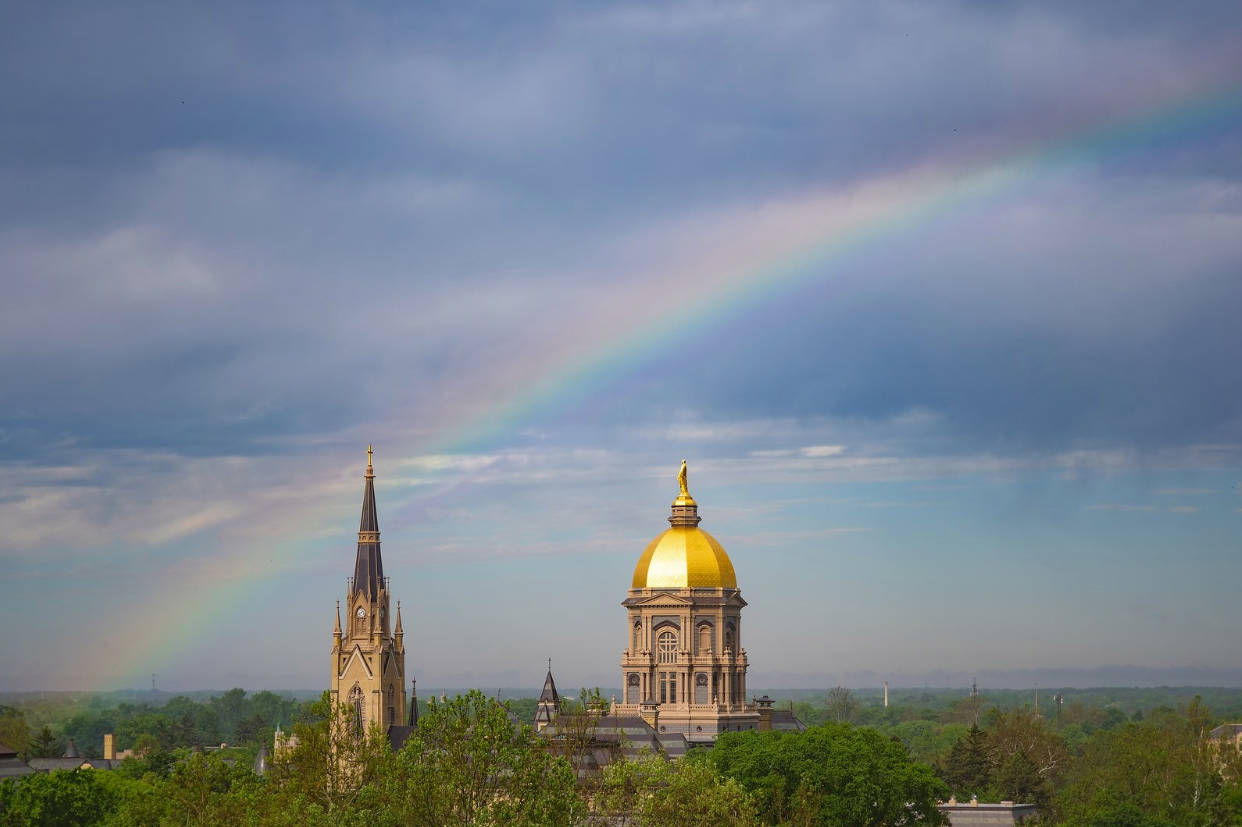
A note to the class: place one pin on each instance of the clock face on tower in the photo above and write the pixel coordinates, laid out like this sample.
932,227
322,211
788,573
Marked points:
361,613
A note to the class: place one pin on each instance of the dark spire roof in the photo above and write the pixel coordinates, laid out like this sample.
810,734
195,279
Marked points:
369,567
549,690
413,702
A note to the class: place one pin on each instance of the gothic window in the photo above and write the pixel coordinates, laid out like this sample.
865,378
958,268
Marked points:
358,707
392,711
705,638
666,643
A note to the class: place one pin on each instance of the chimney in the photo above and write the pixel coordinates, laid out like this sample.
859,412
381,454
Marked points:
764,705
109,747
649,710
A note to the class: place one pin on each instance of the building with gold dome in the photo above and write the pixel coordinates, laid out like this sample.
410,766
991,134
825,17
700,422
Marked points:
684,667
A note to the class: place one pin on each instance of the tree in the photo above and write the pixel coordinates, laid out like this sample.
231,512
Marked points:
46,745
54,799
469,763
831,774
842,705
655,792
1028,778
14,733
967,768
1160,768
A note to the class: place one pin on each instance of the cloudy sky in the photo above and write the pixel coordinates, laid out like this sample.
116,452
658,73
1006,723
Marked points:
940,301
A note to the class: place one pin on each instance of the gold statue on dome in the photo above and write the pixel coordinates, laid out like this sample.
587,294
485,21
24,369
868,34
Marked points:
681,479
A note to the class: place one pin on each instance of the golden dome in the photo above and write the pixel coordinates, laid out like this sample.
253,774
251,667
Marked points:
685,556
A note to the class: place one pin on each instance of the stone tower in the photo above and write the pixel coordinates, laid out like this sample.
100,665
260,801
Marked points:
368,662
684,664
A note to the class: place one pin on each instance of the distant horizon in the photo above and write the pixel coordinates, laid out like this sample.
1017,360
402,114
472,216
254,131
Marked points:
986,680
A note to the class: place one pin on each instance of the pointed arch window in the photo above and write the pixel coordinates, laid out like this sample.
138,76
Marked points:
357,707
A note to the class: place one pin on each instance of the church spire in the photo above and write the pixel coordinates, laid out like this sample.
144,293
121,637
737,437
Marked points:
368,566
549,705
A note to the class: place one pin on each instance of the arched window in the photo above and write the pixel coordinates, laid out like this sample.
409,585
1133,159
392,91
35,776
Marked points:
666,644
705,638
358,706
638,635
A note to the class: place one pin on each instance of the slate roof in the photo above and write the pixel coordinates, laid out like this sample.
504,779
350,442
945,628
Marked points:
260,760
785,719
10,765
398,735
549,702
50,764
1226,731
549,690
633,736
368,566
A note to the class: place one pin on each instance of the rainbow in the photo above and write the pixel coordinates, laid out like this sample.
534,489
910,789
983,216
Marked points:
838,226
791,248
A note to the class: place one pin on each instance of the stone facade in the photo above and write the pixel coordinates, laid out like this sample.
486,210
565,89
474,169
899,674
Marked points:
683,668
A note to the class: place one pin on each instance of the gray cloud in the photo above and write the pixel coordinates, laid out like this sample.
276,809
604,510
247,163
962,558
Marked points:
238,242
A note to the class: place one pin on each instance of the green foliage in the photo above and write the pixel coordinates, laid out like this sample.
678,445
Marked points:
57,799
46,745
1160,769
654,792
468,763
232,717
842,706
968,769
14,731
832,774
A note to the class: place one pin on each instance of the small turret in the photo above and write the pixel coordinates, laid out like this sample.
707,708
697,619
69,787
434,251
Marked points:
549,707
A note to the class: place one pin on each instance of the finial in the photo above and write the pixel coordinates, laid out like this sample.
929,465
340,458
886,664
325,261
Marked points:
685,509
368,455
549,664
